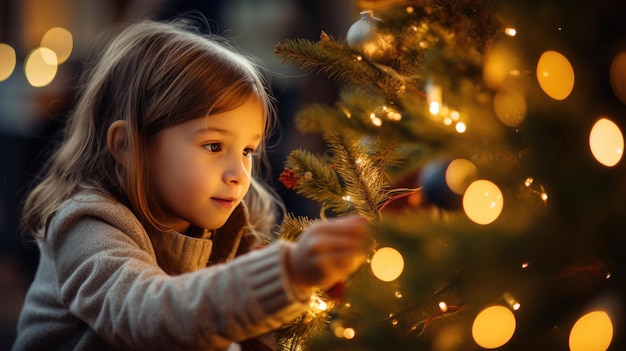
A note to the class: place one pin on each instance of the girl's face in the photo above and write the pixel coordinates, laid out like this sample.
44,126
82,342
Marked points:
200,170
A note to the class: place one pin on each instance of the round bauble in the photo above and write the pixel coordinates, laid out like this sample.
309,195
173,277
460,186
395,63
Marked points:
444,181
363,35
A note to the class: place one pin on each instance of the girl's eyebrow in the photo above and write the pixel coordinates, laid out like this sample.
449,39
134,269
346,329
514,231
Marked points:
203,130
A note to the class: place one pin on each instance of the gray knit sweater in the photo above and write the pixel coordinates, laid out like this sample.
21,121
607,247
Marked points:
103,283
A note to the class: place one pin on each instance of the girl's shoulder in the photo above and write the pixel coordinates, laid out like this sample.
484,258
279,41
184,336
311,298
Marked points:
94,206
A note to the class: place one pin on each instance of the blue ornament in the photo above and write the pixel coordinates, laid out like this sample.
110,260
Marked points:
444,181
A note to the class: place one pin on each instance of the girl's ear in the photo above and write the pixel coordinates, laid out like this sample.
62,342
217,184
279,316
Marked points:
116,140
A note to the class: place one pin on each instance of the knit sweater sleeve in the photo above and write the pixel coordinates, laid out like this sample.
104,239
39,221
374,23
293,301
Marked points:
109,278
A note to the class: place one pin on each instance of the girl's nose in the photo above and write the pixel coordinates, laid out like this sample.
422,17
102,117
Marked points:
235,171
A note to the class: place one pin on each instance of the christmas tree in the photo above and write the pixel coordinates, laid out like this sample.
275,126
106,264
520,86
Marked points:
483,141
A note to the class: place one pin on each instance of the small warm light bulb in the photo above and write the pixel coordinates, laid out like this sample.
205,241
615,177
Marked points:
529,181
434,108
349,333
555,75
483,202
592,332
8,60
493,327
510,31
317,304
460,127
434,96
443,306
41,66
387,264
511,301
606,142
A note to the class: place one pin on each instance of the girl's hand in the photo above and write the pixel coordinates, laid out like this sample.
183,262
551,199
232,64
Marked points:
328,252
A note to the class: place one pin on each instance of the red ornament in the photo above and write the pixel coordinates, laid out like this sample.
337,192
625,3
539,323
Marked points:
289,178
337,291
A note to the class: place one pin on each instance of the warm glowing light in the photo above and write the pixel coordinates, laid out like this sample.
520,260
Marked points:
493,327
525,265
606,142
555,75
498,66
434,108
460,127
510,32
618,76
529,181
349,333
511,301
7,61
443,306
317,304
592,332
339,331
483,202
60,41
460,174
434,97
510,107
387,264
41,67
376,120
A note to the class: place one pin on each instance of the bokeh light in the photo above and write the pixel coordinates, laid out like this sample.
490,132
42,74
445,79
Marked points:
618,76
41,67
592,332
60,41
493,327
606,142
555,75
510,107
500,64
483,202
387,264
460,174
7,61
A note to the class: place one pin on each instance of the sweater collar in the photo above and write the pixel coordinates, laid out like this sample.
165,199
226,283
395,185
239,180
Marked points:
178,253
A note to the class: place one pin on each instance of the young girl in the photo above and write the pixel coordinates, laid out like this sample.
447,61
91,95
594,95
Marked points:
149,221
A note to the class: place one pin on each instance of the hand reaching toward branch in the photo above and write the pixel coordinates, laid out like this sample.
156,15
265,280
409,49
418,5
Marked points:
328,252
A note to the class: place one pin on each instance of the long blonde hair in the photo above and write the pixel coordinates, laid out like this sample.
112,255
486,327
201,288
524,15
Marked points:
154,75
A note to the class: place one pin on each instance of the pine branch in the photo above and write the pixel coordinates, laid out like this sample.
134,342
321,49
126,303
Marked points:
365,179
292,227
331,57
318,181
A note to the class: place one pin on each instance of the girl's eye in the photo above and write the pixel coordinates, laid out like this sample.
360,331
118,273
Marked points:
213,147
248,152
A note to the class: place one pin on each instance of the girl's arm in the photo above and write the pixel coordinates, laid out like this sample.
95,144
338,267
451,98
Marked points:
109,278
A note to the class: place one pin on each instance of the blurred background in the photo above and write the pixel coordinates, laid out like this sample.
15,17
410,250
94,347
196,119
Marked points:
37,90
